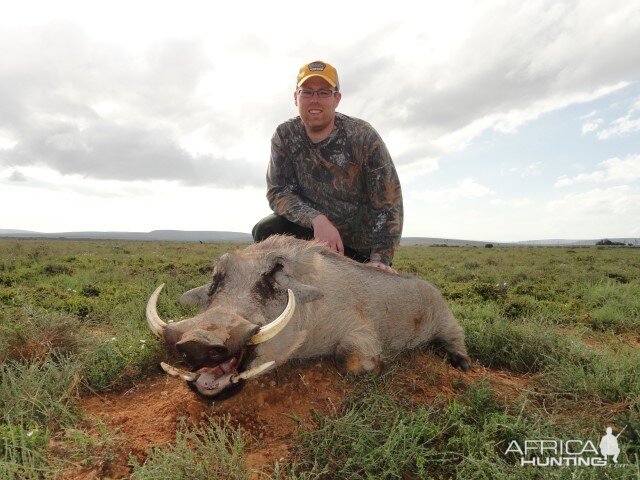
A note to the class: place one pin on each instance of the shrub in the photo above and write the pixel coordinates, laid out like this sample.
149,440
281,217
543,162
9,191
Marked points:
57,269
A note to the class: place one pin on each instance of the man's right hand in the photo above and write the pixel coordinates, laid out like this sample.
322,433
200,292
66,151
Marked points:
324,231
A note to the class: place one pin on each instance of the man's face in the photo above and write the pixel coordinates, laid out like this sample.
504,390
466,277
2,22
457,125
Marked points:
317,113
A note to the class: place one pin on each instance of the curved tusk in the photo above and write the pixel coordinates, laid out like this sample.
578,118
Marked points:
178,372
270,330
156,324
254,372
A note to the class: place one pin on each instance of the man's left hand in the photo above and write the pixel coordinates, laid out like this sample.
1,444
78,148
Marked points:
382,266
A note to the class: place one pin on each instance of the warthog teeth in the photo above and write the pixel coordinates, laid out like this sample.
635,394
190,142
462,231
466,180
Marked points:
156,324
270,330
178,372
254,372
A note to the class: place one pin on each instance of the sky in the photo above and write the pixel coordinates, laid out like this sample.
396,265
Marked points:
506,120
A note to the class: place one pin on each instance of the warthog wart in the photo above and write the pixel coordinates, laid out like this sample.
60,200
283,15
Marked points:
323,304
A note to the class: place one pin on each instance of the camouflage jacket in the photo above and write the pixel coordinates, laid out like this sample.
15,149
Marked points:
349,177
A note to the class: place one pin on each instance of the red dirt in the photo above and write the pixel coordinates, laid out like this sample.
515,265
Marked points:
270,408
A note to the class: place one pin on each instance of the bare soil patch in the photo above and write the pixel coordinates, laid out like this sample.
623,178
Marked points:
273,408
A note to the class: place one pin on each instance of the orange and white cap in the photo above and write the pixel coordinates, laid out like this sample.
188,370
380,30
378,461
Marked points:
318,69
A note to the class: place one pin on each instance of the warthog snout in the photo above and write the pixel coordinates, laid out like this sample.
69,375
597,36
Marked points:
200,347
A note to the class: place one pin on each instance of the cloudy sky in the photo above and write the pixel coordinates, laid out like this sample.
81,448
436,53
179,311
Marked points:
506,120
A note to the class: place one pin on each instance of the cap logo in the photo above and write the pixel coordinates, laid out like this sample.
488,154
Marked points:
316,67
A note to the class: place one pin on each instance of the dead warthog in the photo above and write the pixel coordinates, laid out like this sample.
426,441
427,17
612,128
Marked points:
323,304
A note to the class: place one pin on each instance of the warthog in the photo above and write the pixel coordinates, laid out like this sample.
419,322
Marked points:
323,304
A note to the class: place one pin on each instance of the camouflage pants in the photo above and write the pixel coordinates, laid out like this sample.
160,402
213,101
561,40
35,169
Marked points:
277,225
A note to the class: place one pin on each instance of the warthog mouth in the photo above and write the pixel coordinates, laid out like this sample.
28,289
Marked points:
210,381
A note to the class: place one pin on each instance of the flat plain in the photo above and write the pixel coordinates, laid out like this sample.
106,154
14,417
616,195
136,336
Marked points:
554,335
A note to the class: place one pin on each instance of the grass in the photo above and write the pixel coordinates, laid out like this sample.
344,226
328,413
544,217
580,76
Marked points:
40,392
208,451
72,322
23,452
381,436
36,398
27,333
78,447
118,362
613,306
564,363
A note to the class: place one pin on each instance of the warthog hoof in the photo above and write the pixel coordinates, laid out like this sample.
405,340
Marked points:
463,362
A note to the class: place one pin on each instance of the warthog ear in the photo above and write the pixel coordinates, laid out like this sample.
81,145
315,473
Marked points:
198,295
304,293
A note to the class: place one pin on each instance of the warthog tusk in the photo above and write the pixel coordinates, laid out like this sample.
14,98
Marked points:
178,372
270,330
156,324
251,373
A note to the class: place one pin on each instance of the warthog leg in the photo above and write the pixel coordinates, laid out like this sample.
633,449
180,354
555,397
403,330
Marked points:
450,338
359,352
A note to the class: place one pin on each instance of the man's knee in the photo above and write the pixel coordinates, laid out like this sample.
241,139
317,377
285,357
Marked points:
276,225
262,229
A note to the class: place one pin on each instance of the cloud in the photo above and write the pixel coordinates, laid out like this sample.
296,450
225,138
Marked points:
44,181
514,203
17,176
545,57
418,168
465,189
615,202
415,160
622,126
589,115
106,150
110,114
595,213
532,169
624,170
6,143
202,104
591,126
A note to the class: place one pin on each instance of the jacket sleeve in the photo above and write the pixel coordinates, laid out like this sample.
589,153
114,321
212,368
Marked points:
283,189
386,202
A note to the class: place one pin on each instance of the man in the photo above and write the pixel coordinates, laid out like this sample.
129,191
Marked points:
331,178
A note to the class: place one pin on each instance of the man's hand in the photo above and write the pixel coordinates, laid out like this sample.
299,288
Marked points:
324,231
384,267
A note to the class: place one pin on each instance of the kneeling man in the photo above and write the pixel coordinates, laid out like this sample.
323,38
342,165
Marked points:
331,177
